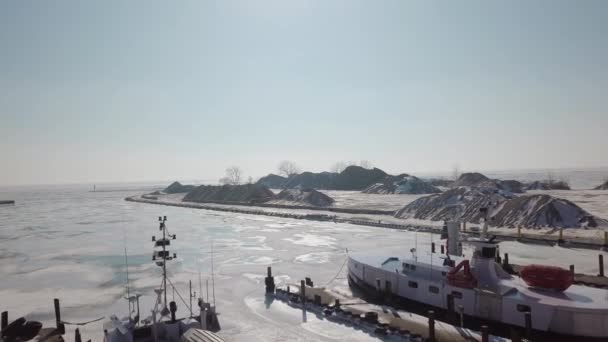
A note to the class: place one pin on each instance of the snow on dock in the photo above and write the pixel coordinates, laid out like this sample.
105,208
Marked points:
375,319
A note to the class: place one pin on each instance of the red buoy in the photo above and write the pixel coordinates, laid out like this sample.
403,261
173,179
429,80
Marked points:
547,277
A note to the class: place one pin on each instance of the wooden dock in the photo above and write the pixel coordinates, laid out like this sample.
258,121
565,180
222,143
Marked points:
377,320
374,319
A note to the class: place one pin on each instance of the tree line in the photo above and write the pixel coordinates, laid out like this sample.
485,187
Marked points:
234,175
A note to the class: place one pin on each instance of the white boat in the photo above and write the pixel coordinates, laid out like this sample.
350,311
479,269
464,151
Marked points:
479,288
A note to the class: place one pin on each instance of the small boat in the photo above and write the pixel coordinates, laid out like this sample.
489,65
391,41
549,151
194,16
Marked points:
547,277
164,325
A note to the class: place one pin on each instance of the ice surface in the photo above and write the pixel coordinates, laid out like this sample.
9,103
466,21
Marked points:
48,251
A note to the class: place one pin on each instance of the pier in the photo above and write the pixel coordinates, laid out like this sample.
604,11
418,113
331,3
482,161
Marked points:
373,319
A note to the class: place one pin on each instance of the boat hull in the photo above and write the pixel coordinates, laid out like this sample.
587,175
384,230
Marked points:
499,312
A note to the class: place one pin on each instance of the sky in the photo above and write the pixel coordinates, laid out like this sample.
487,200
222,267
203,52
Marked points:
116,91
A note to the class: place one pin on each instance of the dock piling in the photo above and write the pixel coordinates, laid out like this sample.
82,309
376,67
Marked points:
485,336
303,294
77,337
4,319
561,236
270,287
600,258
59,324
572,270
431,326
432,247
518,233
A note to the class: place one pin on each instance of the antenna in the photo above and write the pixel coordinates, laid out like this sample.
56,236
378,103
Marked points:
416,245
212,277
200,286
164,256
127,271
432,256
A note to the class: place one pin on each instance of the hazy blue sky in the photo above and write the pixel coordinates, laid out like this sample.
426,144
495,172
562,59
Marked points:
94,91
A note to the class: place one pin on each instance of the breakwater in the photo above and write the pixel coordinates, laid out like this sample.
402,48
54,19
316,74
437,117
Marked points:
253,209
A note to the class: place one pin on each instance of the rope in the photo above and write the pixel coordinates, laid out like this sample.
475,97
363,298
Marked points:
83,323
340,271
179,295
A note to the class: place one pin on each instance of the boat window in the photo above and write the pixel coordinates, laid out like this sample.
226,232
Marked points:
523,308
488,252
433,289
412,284
457,294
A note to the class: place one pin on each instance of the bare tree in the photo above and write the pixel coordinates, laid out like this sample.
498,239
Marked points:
455,172
550,178
366,164
288,168
233,176
338,167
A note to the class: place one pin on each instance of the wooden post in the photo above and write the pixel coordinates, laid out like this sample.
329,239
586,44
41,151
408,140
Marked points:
601,264
528,317
4,320
59,324
442,250
561,236
606,239
572,270
269,282
506,259
432,247
432,326
303,293
77,337
484,333
515,336
518,232
461,312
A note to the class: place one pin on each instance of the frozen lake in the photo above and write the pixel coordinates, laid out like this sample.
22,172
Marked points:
69,243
